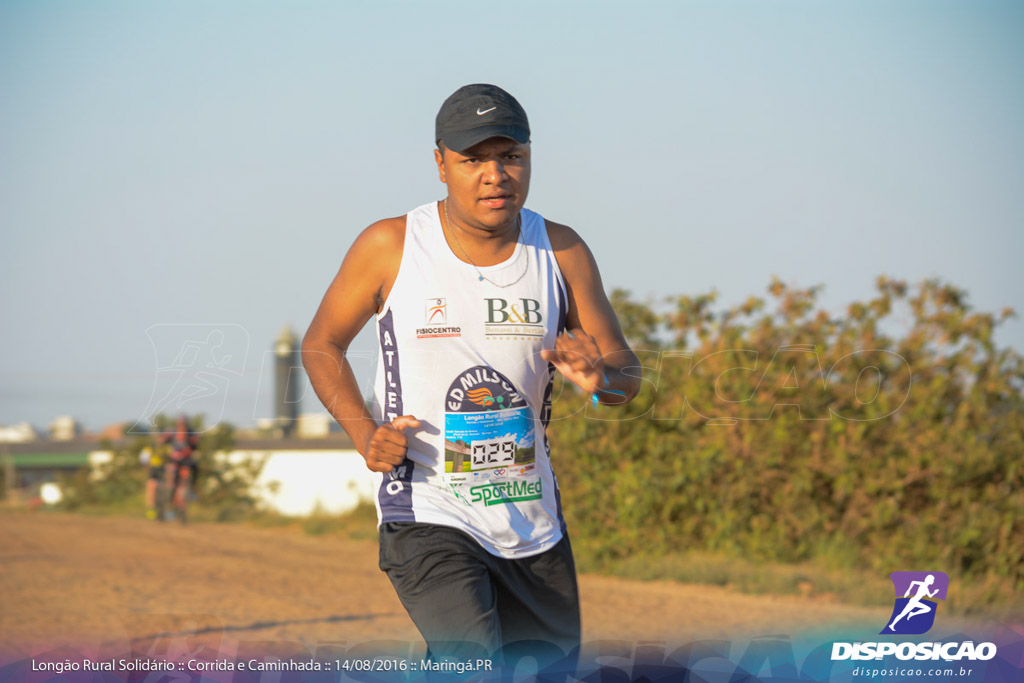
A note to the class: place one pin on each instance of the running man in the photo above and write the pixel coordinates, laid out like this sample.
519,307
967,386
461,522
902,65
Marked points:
477,301
915,605
181,466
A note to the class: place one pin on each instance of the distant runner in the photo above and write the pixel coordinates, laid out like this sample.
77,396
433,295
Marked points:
181,465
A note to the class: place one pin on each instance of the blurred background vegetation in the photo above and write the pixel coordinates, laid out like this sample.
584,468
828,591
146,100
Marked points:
837,446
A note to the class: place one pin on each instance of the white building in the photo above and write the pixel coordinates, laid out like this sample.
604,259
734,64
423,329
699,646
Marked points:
18,433
65,428
297,480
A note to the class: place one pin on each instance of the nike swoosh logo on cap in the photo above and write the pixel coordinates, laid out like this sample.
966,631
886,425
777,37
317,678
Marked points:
481,113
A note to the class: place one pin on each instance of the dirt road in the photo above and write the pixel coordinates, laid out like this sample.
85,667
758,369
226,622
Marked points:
106,584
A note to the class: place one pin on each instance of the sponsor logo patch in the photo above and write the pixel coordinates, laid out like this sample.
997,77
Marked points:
513,319
435,317
505,492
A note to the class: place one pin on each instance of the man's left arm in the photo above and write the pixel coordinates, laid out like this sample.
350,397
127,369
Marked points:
592,352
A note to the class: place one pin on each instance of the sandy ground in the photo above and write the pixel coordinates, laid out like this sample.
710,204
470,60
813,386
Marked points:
112,585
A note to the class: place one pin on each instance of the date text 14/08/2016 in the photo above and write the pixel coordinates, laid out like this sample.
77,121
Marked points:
406,665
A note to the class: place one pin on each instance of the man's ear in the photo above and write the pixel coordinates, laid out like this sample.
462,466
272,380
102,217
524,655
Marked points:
439,159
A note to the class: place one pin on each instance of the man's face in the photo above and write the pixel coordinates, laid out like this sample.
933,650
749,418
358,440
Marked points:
487,183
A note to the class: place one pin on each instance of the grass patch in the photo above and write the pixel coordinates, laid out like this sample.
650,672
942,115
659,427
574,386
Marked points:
133,506
358,524
994,598
807,579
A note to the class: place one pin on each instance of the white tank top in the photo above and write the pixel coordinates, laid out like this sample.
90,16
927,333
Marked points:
462,355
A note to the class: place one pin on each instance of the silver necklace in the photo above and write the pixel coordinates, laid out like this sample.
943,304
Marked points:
519,230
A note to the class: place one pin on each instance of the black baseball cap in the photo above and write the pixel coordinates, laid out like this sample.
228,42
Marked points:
476,112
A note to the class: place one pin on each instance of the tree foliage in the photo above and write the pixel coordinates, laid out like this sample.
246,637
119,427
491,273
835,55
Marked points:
792,434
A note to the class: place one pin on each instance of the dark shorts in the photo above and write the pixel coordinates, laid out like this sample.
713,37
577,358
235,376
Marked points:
467,602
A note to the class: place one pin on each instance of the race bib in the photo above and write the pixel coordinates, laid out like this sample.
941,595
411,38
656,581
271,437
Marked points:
489,440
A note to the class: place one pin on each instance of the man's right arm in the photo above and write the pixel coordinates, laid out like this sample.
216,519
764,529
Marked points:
357,292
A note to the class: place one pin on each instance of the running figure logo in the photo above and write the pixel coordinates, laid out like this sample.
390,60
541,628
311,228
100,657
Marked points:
436,311
195,365
914,613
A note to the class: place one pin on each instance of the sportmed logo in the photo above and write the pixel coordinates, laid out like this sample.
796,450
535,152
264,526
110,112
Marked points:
504,492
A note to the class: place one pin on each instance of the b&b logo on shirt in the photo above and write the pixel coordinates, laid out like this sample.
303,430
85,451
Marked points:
514,319
524,312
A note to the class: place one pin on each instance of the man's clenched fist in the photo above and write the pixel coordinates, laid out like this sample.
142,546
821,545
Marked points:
389,444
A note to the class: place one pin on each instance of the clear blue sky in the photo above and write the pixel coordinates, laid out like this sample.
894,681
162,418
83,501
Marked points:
166,164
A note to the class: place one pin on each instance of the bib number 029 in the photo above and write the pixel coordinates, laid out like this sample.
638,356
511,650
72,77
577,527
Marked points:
493,453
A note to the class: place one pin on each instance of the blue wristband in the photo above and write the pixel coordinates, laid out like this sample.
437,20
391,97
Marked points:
595,399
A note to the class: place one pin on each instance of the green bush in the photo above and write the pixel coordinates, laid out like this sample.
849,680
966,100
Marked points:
795,435
112,483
